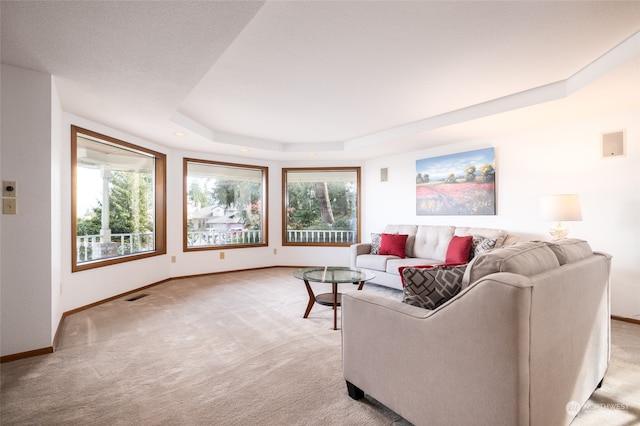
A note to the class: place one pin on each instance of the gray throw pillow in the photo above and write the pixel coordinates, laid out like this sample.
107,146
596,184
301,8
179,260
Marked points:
429,288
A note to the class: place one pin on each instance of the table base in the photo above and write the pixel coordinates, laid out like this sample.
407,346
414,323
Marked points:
328,299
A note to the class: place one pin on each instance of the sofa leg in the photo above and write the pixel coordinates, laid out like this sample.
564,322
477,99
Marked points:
354,391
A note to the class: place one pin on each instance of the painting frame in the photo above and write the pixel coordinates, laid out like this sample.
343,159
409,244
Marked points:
459,184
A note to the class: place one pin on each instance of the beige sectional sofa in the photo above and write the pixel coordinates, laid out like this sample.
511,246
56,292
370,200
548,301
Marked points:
525,342
426,245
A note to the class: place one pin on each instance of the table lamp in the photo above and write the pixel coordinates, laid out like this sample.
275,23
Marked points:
559,208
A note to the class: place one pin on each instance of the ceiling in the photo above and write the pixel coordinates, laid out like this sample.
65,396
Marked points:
349,80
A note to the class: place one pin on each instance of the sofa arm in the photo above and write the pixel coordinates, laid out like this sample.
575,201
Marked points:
356,250
427,365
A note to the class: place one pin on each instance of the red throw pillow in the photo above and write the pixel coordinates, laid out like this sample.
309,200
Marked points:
459,249
393,244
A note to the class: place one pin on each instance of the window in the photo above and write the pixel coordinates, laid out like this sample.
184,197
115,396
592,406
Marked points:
321,206
225,205
118,201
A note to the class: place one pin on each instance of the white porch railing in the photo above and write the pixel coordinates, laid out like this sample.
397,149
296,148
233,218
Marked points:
321,236
217,238
91,247
214,238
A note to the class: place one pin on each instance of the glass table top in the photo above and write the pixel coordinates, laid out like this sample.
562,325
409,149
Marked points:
333,274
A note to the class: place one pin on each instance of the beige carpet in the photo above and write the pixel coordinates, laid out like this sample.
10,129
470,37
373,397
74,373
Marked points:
229,349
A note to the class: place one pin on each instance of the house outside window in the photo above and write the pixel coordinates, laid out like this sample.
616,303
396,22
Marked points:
321,206
225,205
118,195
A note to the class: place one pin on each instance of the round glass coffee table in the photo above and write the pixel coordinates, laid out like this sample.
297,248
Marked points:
333,275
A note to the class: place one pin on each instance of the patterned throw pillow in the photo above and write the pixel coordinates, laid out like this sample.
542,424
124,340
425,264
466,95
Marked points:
430,288
376,240
480,245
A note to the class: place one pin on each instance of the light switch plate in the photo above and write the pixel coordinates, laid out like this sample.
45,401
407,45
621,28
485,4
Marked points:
9,206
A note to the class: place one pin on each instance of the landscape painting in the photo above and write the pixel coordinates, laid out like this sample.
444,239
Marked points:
457,184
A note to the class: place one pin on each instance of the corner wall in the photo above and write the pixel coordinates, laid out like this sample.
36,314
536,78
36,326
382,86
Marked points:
56,209
25,248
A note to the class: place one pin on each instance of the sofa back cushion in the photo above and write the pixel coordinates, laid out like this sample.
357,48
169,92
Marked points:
499,235
432,242
409,230
570,250
526,259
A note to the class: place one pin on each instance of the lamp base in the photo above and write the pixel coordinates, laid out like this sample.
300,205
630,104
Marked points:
558,232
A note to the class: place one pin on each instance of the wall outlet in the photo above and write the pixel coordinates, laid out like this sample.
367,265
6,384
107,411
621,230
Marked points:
9,188
173,259
221,255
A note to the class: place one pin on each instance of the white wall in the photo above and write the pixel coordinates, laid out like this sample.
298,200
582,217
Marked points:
202,262
83,288
559,159
25,278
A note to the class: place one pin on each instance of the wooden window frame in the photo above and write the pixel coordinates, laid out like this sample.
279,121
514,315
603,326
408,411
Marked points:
265,206
160,228
357,238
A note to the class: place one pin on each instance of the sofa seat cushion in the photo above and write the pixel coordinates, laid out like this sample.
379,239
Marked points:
377,262
394,264
431,287
526,259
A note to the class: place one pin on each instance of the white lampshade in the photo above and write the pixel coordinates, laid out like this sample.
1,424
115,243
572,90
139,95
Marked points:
559,208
